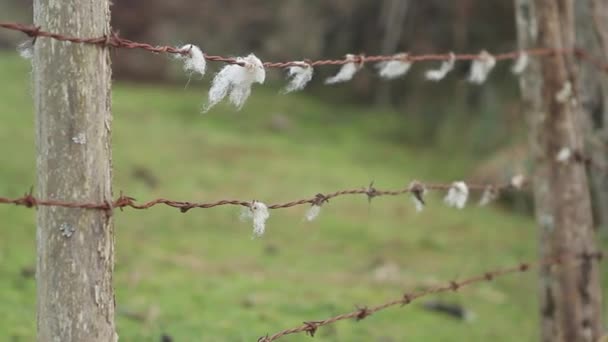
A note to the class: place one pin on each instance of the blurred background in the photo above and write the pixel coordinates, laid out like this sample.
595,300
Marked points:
199,276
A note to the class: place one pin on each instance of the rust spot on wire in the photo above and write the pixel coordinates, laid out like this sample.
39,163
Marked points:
407,298
362,312
454,286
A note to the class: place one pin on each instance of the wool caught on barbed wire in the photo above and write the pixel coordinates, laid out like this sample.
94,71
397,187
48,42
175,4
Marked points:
194,61
313,212
396,68
518,181
457,195
563,155
299,76
481,67
26,49
564,93
418,190
258,213
439,74
236,81
490,194
347,71
520,64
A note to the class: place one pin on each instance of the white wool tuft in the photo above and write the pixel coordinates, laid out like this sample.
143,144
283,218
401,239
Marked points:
236,80
518,181
26,49
313,212
418,204
258,212
418,190
481,67
439,74
563,155
564,94
246,214
347,71
521,63
457,195
490,194
395,68
194,61
299,76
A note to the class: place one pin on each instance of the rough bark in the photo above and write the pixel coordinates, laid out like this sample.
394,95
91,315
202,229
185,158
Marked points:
569,296
75,247
592,35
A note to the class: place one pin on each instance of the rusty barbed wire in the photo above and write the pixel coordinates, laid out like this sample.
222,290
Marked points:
123,201
311,327
114,40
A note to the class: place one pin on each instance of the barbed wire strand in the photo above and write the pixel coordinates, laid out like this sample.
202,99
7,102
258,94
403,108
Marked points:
310,327
29,201
114,40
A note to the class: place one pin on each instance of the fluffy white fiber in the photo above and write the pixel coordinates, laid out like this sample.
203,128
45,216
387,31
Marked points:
518,181
313,212
236,81
258,213
563,155
26,49
490,194
395,68
520,64
347,71
417,203
439,74
194,61
418,191
298,75
457,195
564,94
481,67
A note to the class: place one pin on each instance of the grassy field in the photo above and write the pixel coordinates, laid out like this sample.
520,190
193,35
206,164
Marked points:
201,277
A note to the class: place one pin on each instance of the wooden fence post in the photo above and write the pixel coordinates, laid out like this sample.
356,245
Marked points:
570,296
75,247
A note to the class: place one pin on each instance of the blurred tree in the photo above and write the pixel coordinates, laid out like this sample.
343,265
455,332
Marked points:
392,17
570,296
592,35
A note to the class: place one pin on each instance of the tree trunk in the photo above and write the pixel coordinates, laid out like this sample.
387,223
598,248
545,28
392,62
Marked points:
392,16
75,297
592,35
569,296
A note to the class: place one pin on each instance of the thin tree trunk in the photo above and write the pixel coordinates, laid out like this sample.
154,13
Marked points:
569,296
75,246
392,16
592,35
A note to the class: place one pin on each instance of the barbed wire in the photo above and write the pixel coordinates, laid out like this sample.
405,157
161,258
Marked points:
114,40
123,201
311,327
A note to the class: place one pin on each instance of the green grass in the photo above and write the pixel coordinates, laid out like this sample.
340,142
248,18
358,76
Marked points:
201,277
